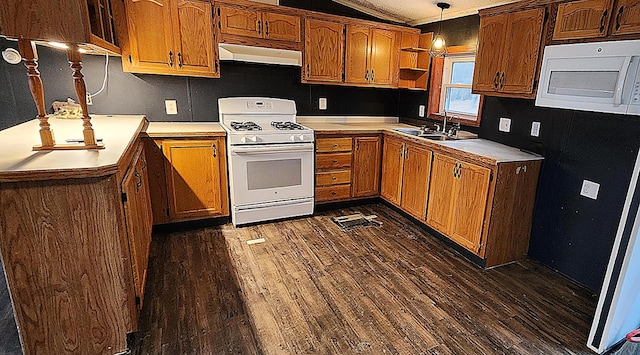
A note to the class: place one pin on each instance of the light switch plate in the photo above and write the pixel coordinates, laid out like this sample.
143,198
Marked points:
421,110
535,129
590,189
505,124
322,103
171,106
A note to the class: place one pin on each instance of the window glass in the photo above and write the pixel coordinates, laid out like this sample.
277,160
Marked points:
462,72
461,100
457,78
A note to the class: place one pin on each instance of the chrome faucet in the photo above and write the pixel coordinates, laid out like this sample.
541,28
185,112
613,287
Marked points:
444,123
453,131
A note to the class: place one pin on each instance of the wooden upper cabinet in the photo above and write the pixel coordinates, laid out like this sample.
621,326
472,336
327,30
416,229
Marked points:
323,52
508,51
90,22
489,56
194,42
269,25
366,166
582,19
196,178
626,17
371,56
415,180
392,160
281,27
357,55
457,200
239,21
172,37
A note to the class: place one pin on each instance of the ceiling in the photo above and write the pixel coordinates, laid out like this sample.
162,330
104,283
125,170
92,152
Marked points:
417,12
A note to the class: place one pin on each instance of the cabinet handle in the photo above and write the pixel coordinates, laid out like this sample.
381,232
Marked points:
334,161
179,59
335,146
501,80
495,79
334,193
144,164
366,76
139,182
170,58
620,11
215,150
401,151
266,31
308,71
215,64
334,178
604,15
406,153
258,27
373,75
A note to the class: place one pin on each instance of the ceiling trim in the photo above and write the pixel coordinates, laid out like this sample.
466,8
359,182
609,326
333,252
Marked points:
373,12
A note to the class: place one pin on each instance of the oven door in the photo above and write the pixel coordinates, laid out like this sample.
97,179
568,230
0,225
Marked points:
268,173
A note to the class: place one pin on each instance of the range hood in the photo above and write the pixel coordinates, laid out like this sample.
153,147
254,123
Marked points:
259,55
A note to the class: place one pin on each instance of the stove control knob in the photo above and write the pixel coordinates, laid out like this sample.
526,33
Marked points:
302,137
249,139
292,138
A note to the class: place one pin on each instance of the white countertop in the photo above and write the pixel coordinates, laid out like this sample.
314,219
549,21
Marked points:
499,152
184,129
18,159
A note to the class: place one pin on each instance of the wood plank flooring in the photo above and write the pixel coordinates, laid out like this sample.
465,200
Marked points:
312,288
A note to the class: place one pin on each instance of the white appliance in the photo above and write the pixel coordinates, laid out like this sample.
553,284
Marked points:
598,76
271,159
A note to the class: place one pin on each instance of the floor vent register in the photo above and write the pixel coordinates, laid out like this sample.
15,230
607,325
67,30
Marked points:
356,220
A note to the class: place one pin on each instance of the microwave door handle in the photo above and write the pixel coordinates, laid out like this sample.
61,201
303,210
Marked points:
617,98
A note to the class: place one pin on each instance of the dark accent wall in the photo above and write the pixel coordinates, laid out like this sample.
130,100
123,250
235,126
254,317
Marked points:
330,7
196,97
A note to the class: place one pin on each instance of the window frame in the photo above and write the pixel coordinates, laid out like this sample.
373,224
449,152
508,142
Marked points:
436,92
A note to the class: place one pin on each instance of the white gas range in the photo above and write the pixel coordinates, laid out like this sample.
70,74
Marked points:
271,160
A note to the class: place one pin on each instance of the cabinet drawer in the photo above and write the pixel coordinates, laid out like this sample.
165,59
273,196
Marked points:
333,177
329,193
333,145
332,161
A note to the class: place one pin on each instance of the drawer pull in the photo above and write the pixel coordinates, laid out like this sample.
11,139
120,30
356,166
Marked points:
335,146
335,161
334,178
334,193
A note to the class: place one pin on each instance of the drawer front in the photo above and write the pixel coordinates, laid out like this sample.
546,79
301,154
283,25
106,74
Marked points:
333,145
332,161
333,177
330,193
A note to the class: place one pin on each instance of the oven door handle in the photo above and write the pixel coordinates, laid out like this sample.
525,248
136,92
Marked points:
271,150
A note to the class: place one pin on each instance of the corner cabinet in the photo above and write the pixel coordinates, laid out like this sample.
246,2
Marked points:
324,52
173,37
509,46
371,56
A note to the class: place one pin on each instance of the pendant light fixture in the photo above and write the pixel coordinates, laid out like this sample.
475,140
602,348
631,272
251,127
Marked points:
438,46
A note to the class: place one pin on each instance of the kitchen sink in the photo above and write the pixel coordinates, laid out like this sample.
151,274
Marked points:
435,136
412,131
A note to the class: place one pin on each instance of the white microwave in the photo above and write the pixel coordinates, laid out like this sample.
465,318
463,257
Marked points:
599,76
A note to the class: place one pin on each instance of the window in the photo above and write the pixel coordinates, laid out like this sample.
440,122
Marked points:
450,88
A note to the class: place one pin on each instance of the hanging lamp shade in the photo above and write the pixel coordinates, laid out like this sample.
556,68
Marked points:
438,46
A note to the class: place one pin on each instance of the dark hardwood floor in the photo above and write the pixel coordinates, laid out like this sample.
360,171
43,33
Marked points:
312,288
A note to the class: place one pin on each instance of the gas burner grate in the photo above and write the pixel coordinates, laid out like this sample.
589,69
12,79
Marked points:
286,126
245,126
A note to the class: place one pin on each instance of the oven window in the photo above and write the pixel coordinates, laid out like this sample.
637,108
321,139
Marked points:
274,173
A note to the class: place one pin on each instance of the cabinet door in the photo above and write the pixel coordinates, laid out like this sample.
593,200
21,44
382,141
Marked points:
366,166
194,38
392,159
582,19
150,37
157,181
626,17
383,62
281,27
470,203
357,55
441,199
196,180
488,65
415,180
137,207
522,47
324,51
242,22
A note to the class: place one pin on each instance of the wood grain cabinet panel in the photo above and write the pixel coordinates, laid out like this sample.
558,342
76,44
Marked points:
173,37
357,55
625,18
281,27
366,166
415,180
508,51
239,21
326,145
439,211
582,19
371,56
384,57
392,159
323,51
196,178
243,21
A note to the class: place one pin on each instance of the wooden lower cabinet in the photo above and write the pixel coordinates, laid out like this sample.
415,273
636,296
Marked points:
457,200
347,167
405,176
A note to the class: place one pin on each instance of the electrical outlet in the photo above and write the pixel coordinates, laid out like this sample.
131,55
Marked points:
322,103
590,189
535,129
171,106
89,100
421,110
505,124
